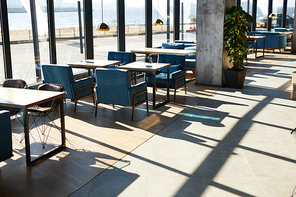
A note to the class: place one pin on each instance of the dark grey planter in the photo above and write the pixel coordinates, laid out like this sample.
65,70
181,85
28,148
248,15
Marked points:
235,78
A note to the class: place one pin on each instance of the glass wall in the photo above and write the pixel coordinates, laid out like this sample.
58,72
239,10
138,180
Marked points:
159,32
67,32
262,12
104,41
188,24
2,75
277,9
22,51
135,24
42,24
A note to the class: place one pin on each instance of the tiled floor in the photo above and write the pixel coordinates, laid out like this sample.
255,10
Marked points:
235,143
210,142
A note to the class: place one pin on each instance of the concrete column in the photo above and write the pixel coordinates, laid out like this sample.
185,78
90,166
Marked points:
209,47
293,50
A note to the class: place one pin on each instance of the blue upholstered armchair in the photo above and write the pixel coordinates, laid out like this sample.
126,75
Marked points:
124,57
114,87
5,136
63,75
177,73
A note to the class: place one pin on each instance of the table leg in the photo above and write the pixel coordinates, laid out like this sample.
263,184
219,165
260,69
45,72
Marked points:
168,84
256,49
263,46
154,88
62,114
27,137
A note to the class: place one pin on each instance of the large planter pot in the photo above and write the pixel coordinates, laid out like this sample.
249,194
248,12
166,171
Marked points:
235,78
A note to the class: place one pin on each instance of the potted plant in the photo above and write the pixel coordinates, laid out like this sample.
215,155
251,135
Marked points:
235,32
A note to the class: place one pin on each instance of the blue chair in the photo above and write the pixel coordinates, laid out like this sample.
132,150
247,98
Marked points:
63,75
113,86
177,73
123,56
5,136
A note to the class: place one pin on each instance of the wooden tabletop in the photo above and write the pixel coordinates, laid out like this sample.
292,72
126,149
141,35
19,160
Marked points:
94,63
144,66
164,51
24,98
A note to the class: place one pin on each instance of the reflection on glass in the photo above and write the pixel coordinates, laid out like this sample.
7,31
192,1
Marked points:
135,24
105,41
2,76
189,25
20,30
67,32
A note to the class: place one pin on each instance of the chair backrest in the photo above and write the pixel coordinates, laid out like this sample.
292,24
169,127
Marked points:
171,45
112,86
172,59
5,135
51,87
123,56
15,83
59,74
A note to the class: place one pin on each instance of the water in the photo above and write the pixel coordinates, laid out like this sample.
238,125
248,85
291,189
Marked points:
21,21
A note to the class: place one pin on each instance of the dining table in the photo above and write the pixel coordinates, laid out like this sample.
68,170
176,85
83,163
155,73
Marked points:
153,68
92,64
22,99
163,51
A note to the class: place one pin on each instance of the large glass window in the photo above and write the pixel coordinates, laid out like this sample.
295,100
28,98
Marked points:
67,32
188,23
104,41
135,24
159,32
20,30
277,9
262,12
2,75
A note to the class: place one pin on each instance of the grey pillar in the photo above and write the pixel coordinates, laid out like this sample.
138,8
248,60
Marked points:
120,25
269,12
5,40
148,24
88,29
51,32
209,47
293,50
284,13
176,20
254,13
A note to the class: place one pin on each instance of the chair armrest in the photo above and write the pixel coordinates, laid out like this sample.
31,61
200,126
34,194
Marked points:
178,74
139,87
82,82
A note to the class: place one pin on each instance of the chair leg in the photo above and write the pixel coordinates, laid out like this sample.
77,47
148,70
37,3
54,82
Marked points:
113,105
94,97
96,106
75,105
185,88
147,102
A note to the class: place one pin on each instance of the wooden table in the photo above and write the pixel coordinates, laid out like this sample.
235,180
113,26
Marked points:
22,99
256,38
92,64
151,67
164,51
